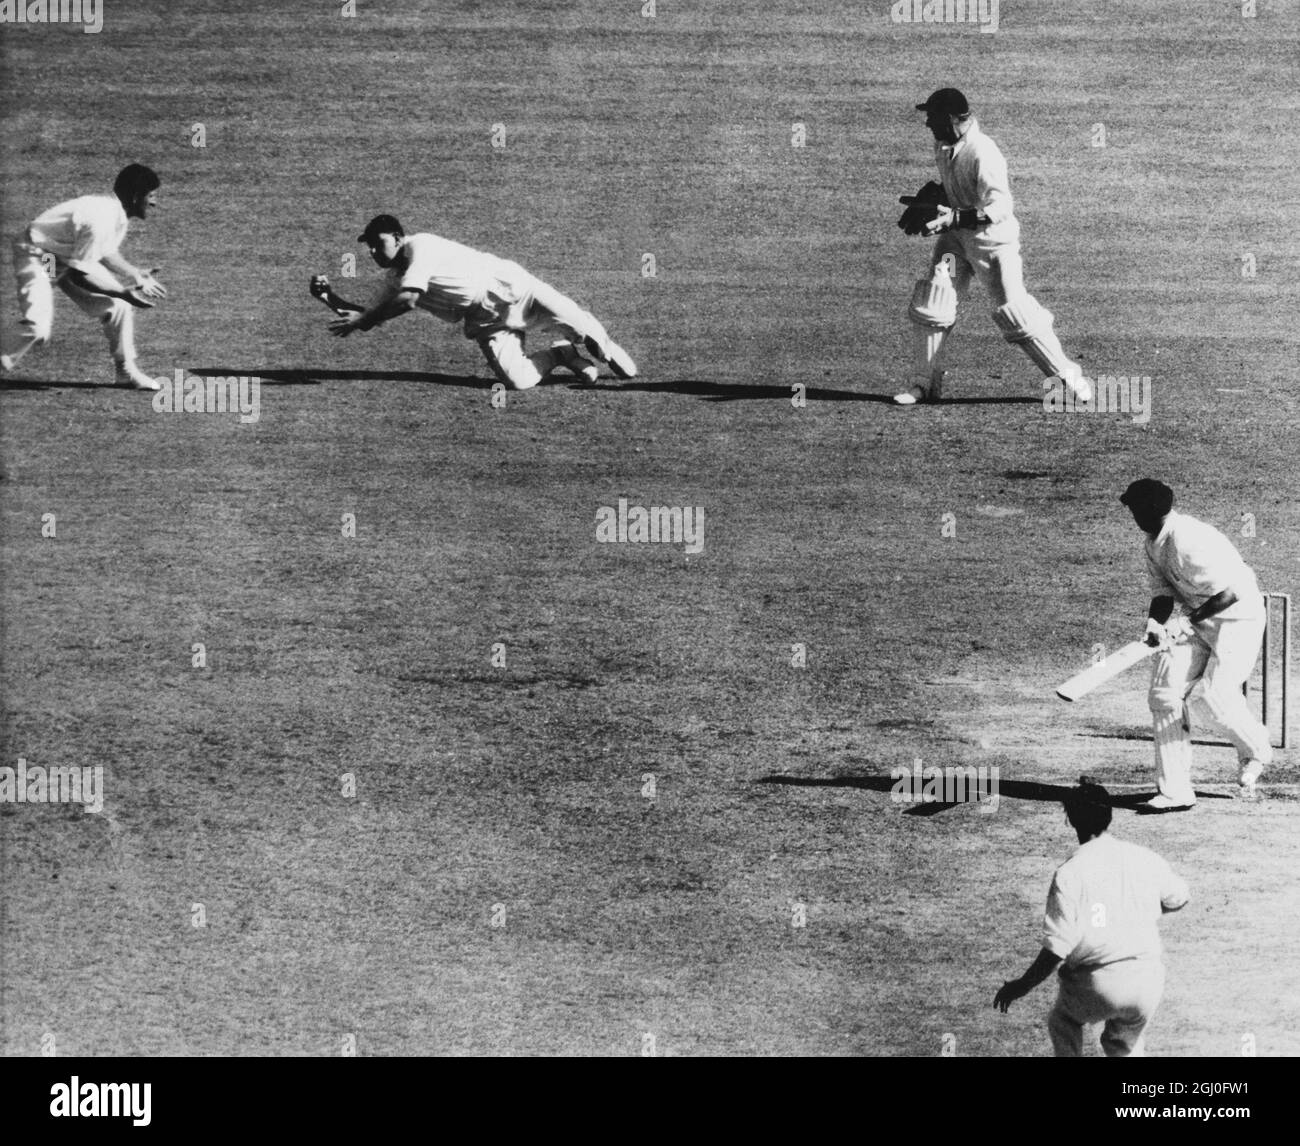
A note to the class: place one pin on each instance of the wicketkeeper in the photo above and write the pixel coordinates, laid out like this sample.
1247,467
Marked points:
496,300
970,213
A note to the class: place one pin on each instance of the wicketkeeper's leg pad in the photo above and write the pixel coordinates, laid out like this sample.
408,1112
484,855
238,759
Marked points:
1026,323
934,303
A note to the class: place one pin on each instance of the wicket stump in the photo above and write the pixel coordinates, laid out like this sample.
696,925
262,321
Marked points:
1276,605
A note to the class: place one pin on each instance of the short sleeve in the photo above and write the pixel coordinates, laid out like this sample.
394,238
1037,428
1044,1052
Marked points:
95,235
1061,933
422,264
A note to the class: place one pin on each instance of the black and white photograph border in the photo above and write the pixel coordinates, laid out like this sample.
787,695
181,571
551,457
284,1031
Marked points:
373,686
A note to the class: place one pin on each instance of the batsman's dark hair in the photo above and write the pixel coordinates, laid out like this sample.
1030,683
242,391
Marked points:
134,179
1147,493
1088,807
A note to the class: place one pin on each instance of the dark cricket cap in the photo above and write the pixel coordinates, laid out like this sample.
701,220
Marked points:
1148,492
380,225
947,101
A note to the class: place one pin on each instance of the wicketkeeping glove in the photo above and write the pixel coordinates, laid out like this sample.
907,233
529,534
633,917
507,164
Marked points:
923,208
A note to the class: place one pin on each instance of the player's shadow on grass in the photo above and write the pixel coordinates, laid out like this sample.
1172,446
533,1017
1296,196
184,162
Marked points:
751,392
739,391
281,378
1200,742
1008,789
307,377
37,384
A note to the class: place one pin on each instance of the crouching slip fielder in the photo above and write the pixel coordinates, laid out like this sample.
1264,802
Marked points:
83,236
971,213
497,300
1100,926
1208,653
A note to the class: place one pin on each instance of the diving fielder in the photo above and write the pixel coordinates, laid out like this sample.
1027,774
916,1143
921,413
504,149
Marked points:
971,213
1207,653
82,237
497,301
1100,927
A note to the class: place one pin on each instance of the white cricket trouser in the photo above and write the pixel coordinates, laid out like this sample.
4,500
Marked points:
501,323
996,262
36,304
1124,996
1204,675
993,255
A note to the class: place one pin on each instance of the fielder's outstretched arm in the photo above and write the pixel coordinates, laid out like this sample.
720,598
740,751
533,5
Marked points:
321,289
398,304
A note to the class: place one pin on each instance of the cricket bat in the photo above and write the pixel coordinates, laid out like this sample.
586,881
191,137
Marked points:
1094,676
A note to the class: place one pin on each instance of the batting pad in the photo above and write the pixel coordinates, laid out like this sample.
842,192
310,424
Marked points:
926,347
1024,319
1028,324
1173,750
934,303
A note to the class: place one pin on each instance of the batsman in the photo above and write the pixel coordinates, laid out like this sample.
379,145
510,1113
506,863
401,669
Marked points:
970,213
1207,648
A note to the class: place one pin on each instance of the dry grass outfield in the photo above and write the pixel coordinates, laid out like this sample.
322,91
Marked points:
372,916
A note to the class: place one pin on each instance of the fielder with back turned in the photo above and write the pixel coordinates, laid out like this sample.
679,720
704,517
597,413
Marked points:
1100,930
1208,650
971,213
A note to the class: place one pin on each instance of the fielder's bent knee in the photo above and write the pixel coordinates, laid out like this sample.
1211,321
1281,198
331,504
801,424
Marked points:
504,351
116,312
934,303
514,382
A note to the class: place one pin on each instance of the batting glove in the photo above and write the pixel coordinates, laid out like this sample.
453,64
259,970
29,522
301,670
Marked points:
1165,636
944,220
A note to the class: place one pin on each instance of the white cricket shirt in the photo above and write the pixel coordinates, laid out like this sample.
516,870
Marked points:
1105,901
1192,561
81,231
974,174
453,279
